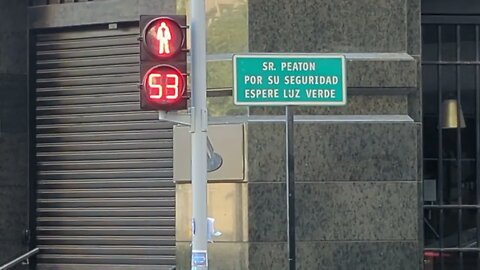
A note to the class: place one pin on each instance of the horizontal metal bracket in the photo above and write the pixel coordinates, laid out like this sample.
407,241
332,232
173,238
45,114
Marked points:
214,160
182,119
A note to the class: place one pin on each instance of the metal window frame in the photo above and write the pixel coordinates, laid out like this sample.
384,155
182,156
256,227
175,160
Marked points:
458,21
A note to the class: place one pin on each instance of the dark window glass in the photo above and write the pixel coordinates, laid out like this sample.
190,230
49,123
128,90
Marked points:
451,71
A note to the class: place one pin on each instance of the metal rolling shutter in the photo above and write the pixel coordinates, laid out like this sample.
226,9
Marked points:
105,195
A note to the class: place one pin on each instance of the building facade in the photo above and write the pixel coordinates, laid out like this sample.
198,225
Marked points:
381,183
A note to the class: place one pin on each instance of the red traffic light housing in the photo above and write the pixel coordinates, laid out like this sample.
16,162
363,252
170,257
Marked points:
163,63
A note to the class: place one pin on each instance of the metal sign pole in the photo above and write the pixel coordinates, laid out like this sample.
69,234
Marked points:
290,183
199,135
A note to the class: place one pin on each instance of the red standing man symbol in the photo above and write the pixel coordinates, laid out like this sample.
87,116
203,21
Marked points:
164,37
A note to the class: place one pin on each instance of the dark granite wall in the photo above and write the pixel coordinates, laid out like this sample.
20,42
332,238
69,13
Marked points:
13,129
357,183
328,25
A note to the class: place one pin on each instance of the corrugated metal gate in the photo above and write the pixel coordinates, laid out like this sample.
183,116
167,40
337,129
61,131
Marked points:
105,196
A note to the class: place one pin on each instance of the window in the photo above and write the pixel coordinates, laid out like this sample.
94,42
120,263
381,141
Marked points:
451,139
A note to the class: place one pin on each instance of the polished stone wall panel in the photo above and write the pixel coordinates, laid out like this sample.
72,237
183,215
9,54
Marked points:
13,195
271,255
15,11
267,215
345,255
13,200
356,211
356,105
13,102
322,26
13,37
355,152
414,38
334,152
342,211
265,152
13,160
13,52
397,70
328,255
335,211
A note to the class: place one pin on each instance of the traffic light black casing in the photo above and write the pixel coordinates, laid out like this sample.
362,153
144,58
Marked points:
176,60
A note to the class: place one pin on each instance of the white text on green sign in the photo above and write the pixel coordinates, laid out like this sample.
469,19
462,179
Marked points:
289,79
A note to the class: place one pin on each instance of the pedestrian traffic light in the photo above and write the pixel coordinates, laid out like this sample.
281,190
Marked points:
163,62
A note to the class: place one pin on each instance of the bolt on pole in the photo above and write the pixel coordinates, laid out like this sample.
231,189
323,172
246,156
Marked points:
199,135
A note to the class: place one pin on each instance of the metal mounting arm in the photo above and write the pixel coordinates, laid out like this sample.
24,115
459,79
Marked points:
183,119
214,160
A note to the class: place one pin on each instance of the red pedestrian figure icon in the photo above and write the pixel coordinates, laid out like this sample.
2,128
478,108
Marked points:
164,37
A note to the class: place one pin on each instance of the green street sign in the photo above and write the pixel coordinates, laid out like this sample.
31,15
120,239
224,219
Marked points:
289,79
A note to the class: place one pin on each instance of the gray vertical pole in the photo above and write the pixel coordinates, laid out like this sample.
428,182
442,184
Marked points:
290,183
199,135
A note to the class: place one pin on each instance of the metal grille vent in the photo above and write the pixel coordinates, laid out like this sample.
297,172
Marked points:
105,197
